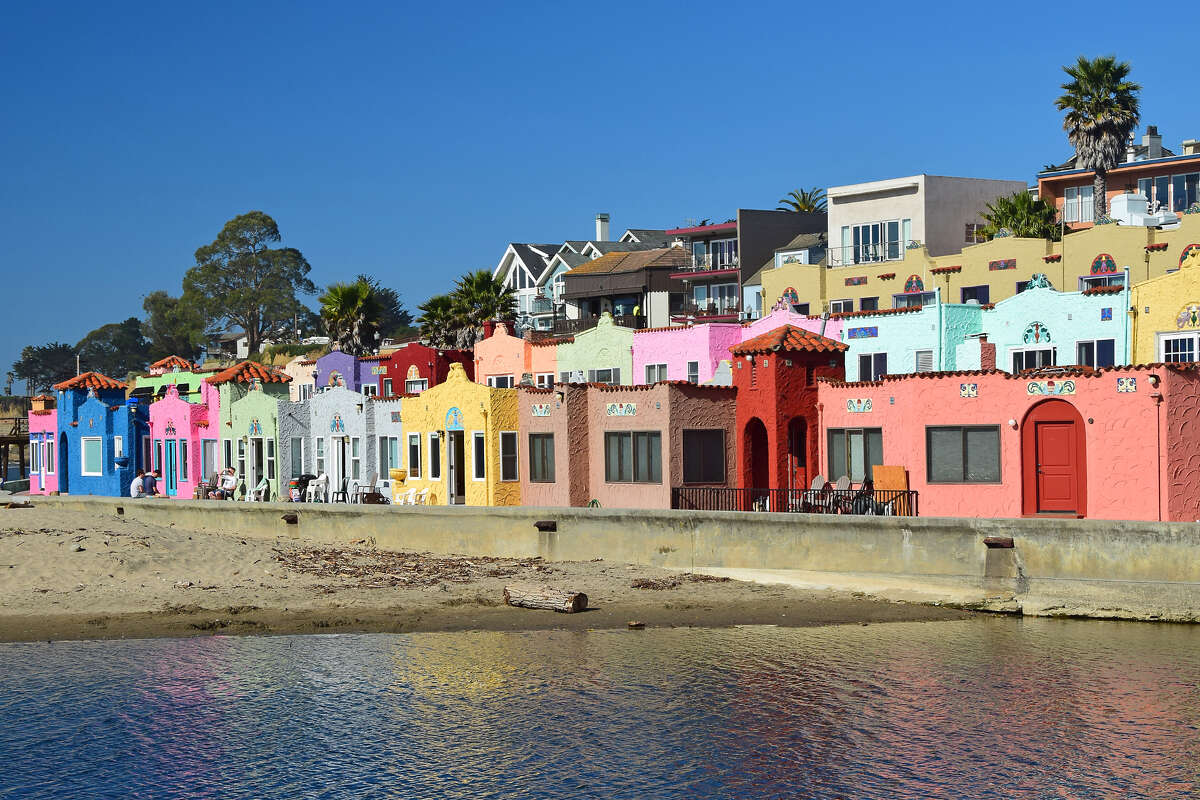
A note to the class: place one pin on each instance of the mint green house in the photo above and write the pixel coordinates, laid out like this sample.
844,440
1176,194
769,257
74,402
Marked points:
260,385
603,354
901,341
170,371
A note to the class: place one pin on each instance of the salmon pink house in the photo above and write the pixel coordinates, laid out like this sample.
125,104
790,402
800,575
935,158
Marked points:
1119,443
504,361
183,443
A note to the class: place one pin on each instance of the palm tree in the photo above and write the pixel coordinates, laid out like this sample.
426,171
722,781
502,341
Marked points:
1102,112
1021,215
804,200
351,313
438,322
477,298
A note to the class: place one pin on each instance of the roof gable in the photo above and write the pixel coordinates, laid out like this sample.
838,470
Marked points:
788,337
91,380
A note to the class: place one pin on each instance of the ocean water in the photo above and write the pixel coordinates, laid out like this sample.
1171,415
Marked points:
985,708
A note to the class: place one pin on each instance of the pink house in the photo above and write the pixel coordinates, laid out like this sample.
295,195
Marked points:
182,442
1118,443
502,360
43,434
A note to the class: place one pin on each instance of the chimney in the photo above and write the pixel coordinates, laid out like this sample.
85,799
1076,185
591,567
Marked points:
1191,147
987,353
602,227
489,327
1152,142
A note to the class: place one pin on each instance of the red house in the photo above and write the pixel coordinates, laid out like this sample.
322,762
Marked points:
777,413
414,367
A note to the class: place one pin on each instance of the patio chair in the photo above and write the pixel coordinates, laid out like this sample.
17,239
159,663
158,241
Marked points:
366,488
422,497
341,492
261,493
839,502
408,498
317,488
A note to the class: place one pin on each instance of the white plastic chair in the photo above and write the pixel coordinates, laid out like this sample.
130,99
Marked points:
408,498
316,487
261,491
422,497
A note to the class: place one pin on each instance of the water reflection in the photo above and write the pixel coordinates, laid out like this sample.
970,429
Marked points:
984,708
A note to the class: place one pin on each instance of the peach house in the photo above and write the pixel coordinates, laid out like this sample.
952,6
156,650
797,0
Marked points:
503,360
1119,443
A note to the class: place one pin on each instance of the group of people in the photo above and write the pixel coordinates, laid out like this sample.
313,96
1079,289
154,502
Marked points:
145,484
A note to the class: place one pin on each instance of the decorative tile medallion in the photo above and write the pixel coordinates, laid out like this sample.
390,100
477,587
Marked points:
1106,315
1189,316
337,424
395,416
1187,251
414,374
170,432
540,409
1127,384
863,333
1104,264
454,419
379,369
621,409
968,390
858,405
336,379
857,280
1050,387
1037,333
914,284
255,428
1004,263
790,295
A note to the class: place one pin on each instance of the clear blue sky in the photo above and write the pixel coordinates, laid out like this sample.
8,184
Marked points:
413,143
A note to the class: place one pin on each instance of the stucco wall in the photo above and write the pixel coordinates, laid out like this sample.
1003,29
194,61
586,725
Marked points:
706,344
1163,305
260,408
605,346
900,333
651,413
1068,316
385,418
158,383
190,423
952,202
43,430
876,201
1181,443
301,369
334,415
501,354
294,423
334,365
543,358
104,415
431,364
561,412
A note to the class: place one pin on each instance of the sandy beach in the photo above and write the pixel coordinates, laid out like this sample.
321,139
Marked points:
69,575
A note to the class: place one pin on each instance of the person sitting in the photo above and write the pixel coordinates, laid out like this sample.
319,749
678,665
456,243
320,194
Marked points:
150,483
137,488
229,484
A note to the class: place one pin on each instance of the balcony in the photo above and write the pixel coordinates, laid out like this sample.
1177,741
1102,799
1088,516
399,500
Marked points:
541,305
717,308
570,327
709,264
872,253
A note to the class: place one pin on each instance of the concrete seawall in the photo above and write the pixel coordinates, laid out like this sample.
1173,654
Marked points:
1133,570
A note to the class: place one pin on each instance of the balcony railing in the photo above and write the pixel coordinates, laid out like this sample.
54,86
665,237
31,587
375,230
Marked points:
713,308
541,305
869,253
709,262
871,502
567,327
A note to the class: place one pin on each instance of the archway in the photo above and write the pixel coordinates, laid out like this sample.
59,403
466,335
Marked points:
63,466
756,464
797,476
1054,460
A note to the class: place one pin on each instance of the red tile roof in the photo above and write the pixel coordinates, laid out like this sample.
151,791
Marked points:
551,342
375,358
170,362
308,362
946,270
247,371
1104,290
43,397
91,380
875,313
788,337
43,413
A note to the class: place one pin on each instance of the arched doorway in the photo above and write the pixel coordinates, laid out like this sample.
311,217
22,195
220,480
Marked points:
798,453
756,465
1054,460
64,465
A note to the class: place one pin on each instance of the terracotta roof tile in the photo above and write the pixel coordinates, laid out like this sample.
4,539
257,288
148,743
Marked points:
380,357
1104,290
551,342
877,312
788,337
43,397
946,270
43,413
1068,371
170,362
664,328
308,362
91,380
247,371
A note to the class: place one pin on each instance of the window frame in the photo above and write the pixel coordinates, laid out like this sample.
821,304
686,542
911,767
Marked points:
48,457
386,388
917,361
356,458
370,390
1093,281
1014,351
986,289
544,380
500,381
541,443
614,376
414,465
868,303
693,372
874,356
514,457
844,433
408,389
659,370
633,457
83,460
118,447
209,446
913,299
319,455
1162,338
964,429
1095,343
271,457
182,467
684,455
842,306
478,464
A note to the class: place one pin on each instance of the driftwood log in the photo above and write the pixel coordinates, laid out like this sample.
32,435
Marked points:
527,595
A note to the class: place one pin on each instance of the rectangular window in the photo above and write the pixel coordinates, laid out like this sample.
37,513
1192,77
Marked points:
49,456
508,456
656,373
704,456
35,457
976,294
1185,190
319,455
270,459
913,299
296,456
868,304
841,306
610,376
157,464
387,387
208,458
924,360
962,454
872,366
800,308
435,457
183,459
633,457
479,456
693,371
541,457
416,386
1033,357
306,391
241,457
500,381
1092,281
1176,349
1096,353
93,456
854,452
544,380
1078,205
1022,286
370,389
414,455
118,447
228,447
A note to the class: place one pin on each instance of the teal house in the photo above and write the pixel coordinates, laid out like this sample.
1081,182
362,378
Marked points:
901,341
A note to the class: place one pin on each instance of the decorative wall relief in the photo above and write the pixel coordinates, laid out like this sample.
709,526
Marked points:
621,409
379,369
1189,316
255,428
1037,333
859,405
1038,280
1050,387
857,280
968,390
454,419
395,416
863,333
540,409
1127,384
414,374
336,379
1106,315
337,424
1004,263
790,295
1104,264
914,284
1187,251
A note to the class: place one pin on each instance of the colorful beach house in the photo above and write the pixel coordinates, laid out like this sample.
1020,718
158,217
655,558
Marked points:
336,368
603,354
505,361
103,439
341,448
43,445
462,442
897,341
175,371
254,434
234,384
301,370
1165,314
183,443
414,367
386,429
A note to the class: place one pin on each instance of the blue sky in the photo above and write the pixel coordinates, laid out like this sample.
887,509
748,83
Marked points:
412,142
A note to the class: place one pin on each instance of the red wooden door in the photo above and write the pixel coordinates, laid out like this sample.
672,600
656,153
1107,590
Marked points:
1057,470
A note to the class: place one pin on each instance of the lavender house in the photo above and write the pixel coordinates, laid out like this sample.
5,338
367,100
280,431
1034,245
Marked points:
341,369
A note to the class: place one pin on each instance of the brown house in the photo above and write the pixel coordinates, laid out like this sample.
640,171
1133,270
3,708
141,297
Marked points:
632,286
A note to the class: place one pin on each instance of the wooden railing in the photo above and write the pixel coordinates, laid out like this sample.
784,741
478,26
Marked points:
877,502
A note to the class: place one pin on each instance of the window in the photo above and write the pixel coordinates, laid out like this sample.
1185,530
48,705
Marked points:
1078,205
1096,353
544,380
963,454
913,299
1033,357
1185,190
49,456
541,457
872,366
183,459
973,234
841,306
270,459
633,457
976,294
875,241
93,455
35,456
800,308
157,465
1157,191
924,360
435,457
1022,286
389,455
854,452
704,456
306,391
1090,281
1177,348
414,455
868,304
370,390
656,373
478,456
508,456
208,458
319,452
500,381
416,386
387,387
693,371
228,462
610,376
118,447
241,453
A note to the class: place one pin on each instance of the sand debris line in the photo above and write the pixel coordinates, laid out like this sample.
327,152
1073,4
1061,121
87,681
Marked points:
674,581
381,569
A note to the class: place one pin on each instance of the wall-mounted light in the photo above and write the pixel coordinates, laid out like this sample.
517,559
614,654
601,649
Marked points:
1012,423
1154,379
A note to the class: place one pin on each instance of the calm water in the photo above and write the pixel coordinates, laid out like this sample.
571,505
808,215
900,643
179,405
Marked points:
992,708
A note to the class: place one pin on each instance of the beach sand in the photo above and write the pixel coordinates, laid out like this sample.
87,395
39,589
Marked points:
70,575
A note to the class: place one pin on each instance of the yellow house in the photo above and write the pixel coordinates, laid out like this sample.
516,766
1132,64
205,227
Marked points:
891,277
1165,314
461,443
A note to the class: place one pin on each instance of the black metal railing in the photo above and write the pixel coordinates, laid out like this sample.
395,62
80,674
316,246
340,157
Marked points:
729,306
563,327
873,502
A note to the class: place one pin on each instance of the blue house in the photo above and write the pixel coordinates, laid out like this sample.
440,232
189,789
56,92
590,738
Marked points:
102,437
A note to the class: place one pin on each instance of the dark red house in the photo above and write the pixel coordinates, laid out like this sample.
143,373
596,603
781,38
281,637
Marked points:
777,413
414,367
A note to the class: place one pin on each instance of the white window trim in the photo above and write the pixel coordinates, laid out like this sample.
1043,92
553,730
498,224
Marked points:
840,306
118,447
83,440
516,437
1095,347
435,441
1032,348
49,456
370,390
658,368
544,380
475,476
1162,338
414,471
492,381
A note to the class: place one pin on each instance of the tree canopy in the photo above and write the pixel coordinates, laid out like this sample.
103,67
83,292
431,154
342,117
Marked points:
1019,214
42,366
395,321
438,325
351,313
804,200
174,326
240,280
115,349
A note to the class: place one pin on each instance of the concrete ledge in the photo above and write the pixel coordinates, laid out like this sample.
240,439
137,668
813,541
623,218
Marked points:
1133,570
